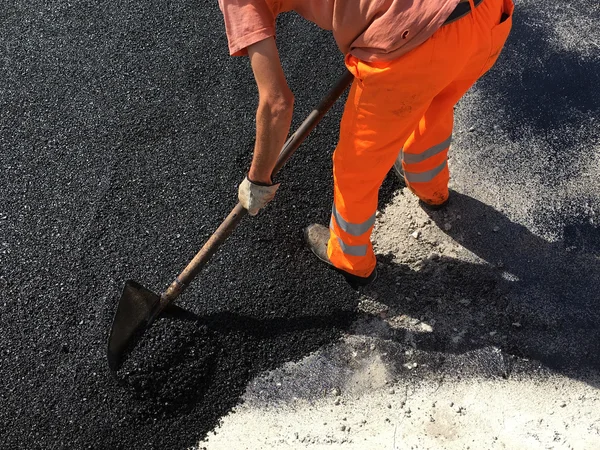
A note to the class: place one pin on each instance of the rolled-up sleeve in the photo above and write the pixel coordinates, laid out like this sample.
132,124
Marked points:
246,22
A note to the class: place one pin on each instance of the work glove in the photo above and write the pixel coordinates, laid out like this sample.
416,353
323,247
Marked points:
255,196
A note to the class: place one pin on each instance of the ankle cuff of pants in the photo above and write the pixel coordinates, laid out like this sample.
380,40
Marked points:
433,193
361,266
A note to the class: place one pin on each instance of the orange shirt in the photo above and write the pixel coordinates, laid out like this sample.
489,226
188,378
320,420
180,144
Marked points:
372,30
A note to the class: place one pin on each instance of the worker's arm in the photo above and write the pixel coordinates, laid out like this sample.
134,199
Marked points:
275,107
273,119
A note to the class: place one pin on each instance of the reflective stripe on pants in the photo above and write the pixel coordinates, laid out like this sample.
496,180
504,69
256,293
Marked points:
426,173
351,243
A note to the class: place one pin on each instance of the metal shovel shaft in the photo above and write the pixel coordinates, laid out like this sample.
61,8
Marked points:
237,214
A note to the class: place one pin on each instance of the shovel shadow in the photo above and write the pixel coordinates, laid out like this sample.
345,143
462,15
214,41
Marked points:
207,355
228,322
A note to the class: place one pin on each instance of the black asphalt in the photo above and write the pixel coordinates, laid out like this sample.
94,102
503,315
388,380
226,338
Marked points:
125,128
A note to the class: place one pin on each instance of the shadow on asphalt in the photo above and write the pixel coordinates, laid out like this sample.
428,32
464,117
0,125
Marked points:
533,300
544,90
190,360
538,310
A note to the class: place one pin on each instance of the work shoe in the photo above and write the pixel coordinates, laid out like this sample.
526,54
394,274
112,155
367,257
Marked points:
429,207
316,237
422,203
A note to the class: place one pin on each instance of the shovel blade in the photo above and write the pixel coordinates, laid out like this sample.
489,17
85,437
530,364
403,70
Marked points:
135,310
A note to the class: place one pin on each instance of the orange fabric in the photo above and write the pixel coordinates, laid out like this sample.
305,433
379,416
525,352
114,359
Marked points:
372,30
406,104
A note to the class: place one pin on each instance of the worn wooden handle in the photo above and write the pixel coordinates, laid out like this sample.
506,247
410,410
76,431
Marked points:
238,213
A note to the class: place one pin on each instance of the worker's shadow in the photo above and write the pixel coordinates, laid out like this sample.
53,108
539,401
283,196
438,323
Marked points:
529,298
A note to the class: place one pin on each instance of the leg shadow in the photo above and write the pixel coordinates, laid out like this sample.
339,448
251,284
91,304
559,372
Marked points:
533,300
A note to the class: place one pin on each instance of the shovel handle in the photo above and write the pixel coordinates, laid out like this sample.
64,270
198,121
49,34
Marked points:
239,212
294,141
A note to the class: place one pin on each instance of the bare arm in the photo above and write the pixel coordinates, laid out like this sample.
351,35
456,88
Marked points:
275,108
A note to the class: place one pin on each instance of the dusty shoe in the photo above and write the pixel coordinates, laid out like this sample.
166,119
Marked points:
429,207
423,204
316,237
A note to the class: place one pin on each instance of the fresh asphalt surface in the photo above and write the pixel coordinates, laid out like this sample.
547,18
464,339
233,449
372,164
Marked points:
125,129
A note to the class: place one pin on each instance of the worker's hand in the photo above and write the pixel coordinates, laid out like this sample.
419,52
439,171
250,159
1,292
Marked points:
255,196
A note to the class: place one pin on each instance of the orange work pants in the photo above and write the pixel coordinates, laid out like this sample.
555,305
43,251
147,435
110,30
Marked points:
404,109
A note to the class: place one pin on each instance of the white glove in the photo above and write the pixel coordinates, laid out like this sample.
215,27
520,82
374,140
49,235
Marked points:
253,196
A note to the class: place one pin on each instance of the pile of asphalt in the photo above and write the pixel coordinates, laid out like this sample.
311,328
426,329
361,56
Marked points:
125,130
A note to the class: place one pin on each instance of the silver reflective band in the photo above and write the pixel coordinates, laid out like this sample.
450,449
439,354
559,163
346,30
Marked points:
424,177
412,158
355,229
353,250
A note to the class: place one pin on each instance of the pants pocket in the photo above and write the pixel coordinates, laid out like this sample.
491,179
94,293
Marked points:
499,34
351,62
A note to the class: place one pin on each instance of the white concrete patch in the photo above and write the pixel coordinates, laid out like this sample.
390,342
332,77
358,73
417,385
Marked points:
555,413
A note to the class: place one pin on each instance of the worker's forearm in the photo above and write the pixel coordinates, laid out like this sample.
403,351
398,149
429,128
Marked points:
273,120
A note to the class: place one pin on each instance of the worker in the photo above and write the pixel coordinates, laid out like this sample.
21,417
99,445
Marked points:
412,60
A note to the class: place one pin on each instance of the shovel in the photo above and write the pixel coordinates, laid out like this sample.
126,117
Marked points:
138,306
